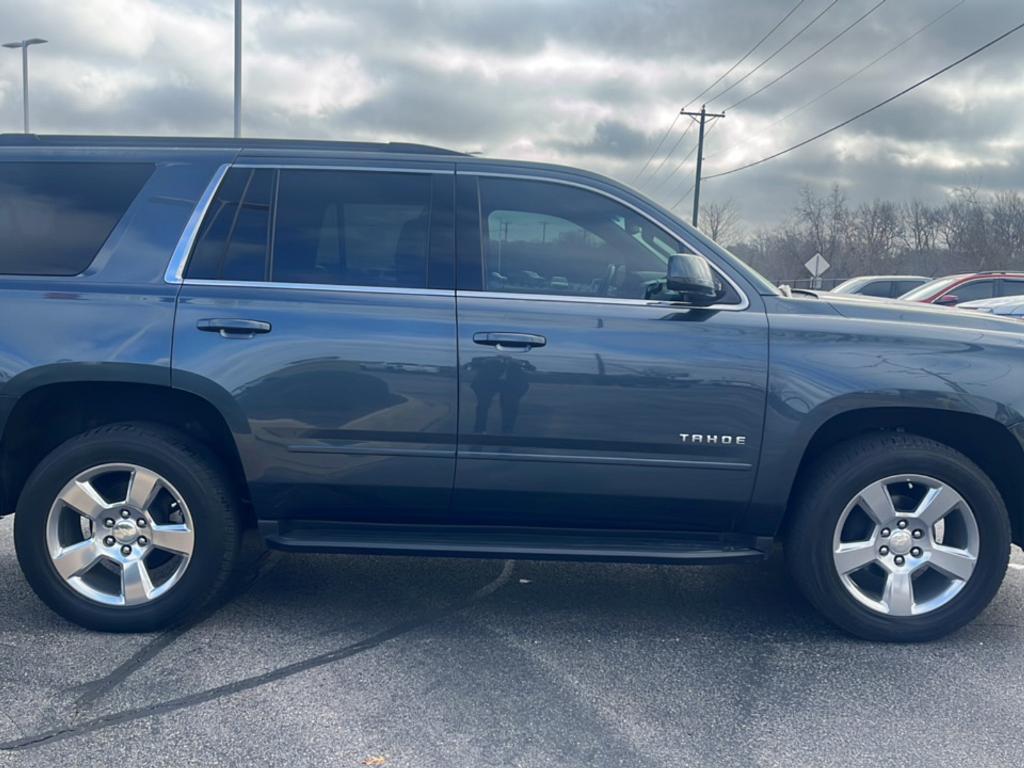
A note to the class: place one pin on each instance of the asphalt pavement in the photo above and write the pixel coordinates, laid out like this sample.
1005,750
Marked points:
350,661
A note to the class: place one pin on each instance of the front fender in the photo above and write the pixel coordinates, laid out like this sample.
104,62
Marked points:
823,365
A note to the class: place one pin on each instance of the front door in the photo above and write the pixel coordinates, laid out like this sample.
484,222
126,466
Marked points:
588,397
318,313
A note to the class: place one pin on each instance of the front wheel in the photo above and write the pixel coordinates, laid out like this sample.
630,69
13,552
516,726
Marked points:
897,537
127,528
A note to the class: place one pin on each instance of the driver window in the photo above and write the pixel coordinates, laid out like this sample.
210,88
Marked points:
546,238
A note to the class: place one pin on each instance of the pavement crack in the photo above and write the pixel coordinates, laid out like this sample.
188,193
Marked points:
11,721
247,684
94,690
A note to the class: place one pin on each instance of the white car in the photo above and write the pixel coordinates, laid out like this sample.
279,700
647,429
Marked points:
1007,306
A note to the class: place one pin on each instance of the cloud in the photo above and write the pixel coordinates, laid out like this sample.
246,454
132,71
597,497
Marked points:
593,83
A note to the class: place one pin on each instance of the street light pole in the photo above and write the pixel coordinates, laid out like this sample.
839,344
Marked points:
24,44
238,68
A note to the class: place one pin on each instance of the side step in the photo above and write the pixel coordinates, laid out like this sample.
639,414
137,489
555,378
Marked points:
512,542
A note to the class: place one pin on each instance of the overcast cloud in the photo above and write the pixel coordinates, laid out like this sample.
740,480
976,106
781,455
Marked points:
592,83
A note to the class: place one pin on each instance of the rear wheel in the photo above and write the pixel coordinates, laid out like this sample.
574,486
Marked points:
896,537
128,527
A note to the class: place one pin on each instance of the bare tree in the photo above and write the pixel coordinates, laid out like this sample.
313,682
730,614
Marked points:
824,221
970,231
875,232
721,221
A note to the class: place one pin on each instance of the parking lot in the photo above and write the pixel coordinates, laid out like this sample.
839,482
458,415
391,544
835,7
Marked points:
349,661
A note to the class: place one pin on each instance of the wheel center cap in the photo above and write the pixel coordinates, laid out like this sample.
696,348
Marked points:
126,531
900,542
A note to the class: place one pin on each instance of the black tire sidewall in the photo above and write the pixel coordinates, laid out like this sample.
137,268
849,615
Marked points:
197,477
810,543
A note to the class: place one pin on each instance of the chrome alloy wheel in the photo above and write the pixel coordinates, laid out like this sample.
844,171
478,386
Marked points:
906,545
120,534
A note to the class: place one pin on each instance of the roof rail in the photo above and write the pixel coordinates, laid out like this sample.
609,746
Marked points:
55,140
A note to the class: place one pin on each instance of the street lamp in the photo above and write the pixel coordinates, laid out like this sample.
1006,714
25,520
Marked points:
238,68
24,44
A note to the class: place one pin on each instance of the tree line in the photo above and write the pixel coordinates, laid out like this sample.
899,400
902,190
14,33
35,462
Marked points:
969,231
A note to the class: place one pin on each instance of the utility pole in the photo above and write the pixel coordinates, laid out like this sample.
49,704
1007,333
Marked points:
24,44
238,68
701,118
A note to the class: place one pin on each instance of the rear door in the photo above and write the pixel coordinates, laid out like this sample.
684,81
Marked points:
582,401
317,310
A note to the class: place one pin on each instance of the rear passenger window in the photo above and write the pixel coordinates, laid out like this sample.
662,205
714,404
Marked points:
352,228
904,286
232,242
55,217
879,288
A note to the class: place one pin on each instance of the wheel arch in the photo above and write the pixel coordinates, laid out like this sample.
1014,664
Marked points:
997,449
43,417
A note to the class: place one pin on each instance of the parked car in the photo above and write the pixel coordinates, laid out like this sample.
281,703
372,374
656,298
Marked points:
956,289
880,286
308,338
1008,306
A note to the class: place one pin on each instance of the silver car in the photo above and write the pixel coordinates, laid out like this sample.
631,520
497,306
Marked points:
1006,306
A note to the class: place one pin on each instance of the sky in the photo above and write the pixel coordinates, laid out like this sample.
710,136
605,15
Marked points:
587,83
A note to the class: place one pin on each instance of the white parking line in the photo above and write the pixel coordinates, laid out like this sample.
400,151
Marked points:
1017,566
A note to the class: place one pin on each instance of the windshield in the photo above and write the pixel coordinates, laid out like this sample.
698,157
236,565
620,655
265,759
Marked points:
929,289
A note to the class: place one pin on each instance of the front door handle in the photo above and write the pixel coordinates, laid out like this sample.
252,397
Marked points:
506,342
234,328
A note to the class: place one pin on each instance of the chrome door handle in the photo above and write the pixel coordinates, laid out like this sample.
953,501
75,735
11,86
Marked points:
510,341
233,328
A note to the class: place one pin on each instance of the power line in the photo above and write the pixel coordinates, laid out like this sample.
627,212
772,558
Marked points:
657,148
675,170
678,202
776,52
672,125
869,110
745,56
671,151
682,162
856,74
803,61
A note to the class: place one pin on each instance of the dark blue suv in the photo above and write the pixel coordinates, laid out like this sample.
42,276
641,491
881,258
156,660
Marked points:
397,349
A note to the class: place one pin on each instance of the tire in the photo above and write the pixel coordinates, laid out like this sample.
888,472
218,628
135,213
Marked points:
169,556
871,601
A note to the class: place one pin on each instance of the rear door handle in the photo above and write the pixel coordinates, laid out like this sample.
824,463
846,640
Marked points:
510,341
232,328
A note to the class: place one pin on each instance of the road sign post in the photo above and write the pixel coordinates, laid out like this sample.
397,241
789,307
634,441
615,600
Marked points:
817,266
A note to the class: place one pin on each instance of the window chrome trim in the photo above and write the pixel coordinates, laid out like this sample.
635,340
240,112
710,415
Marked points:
175,272
598,300
744,301
331,287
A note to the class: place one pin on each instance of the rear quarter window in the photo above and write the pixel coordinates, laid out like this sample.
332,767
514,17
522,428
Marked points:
55,217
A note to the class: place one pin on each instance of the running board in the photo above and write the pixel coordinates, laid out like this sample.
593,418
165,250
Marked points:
512,542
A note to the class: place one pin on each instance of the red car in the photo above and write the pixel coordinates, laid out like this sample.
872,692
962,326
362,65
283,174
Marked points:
955,289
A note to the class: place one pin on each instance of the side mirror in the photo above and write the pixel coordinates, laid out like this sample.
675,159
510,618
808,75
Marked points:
949,300
692,276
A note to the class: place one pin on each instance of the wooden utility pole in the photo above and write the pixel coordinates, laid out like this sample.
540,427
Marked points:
701,118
